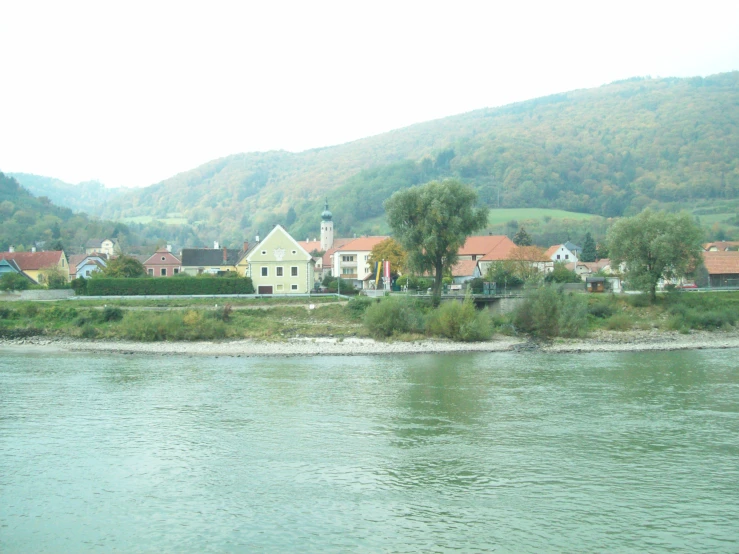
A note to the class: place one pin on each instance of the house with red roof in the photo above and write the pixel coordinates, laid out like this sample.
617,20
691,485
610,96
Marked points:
84,265
722,267
37,264
351,260
163,263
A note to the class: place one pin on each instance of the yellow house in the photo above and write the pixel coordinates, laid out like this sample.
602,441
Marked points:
37,264
279,265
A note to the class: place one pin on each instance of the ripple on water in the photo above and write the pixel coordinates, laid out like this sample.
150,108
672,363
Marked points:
478,452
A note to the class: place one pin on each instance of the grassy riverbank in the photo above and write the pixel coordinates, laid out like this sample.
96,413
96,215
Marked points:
548,314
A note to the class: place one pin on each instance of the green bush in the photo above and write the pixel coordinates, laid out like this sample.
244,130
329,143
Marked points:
14,281
707,317
460,321
619,322
147,286
548,312
601,310
639,300
7,313
111,313
191,325
59,313
393,315
357,306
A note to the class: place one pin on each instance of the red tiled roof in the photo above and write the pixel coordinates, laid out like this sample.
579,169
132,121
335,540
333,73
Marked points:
529,254
310,245
721,263
552,250
33,260
483,244
501,251
722,244
464,268
361,244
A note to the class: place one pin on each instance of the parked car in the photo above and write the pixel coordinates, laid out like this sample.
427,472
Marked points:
687,286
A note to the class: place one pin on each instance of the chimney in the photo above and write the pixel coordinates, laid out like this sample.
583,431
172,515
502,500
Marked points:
215,244
33,249
246,245
169,248
257,237
225,255
11,249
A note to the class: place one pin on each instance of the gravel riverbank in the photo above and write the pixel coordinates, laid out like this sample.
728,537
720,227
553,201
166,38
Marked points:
602,341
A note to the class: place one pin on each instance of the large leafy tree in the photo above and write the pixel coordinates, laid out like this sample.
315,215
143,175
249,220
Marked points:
654,246
432,221
123,266
391,250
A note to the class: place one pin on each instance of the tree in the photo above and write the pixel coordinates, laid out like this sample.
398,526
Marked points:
54,277
654,246
560,274
501,273
431,222
522,238
123,266
525,261
389,249
13,281
589,252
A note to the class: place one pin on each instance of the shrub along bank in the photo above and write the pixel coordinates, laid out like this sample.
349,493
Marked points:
547,313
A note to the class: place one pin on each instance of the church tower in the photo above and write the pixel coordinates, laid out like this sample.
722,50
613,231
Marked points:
327,229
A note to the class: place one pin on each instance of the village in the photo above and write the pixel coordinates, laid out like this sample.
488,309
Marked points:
278,264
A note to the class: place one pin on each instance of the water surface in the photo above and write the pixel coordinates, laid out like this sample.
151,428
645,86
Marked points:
480,452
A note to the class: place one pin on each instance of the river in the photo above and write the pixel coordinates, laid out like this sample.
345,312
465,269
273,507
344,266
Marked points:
503,452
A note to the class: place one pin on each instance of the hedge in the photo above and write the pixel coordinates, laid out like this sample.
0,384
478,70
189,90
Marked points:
149,286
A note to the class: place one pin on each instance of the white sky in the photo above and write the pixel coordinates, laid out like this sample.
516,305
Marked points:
131,92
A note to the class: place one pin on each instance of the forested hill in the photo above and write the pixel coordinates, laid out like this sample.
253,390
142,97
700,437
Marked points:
88,196
610,151
27,221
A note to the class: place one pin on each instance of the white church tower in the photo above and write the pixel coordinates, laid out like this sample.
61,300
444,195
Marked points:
327,229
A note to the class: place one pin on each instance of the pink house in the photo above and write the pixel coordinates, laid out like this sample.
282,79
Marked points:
163,263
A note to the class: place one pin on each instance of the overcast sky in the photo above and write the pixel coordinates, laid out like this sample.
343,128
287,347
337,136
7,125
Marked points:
131,93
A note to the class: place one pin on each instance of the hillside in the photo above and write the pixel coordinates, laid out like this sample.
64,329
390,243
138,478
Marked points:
88,196
607,151
27,221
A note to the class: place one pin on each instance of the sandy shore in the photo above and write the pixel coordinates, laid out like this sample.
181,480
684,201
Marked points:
603,341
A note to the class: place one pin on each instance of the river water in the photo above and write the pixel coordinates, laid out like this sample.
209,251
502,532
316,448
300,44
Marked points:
499,452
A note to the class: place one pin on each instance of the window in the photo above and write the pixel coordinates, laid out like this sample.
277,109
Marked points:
279,271
293,287
567,256
164,272
558,256
294,271
295,251
347,258
280,287
474,257
176,270
151,271
265,272
264,252
366,257
163,258
346,270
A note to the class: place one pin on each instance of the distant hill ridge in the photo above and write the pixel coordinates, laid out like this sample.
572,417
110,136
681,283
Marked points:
610,151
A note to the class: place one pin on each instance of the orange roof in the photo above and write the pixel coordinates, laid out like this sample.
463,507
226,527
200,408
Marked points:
362,244
310,245
484,244
721,263
552,250
722,244
338,243
33,260
464,268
